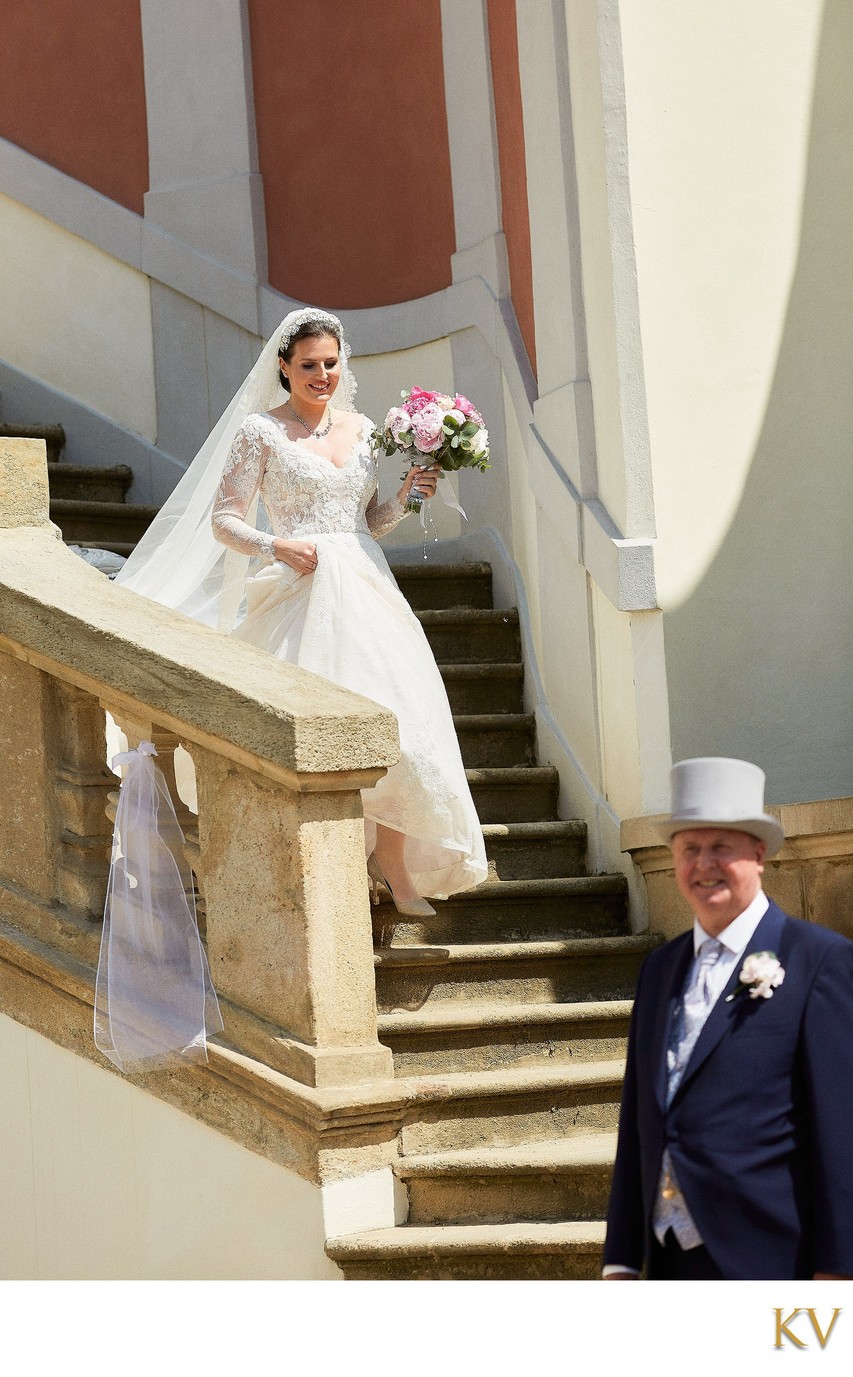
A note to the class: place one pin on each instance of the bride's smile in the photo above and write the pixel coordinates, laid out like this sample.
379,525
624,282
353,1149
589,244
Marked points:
313,372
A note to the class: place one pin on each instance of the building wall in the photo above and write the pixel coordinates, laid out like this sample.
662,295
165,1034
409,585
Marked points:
77,317
72,91
104,1182
742,188
556,228
352,144
458,246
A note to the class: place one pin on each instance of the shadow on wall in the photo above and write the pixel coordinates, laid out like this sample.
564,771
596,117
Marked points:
760,657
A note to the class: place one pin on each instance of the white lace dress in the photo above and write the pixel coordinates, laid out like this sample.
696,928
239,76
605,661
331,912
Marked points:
349,622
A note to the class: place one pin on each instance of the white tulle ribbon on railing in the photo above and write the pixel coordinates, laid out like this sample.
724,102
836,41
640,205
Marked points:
154,999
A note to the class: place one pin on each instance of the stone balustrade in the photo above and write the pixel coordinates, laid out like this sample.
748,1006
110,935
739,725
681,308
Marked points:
278,846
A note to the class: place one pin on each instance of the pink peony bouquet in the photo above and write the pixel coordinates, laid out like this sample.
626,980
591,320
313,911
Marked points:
432,428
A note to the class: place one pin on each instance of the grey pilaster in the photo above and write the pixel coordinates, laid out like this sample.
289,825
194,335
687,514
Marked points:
200,360
480,244
205,188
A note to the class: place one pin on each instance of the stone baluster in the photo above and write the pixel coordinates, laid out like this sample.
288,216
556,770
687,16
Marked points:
83,784
29,838
288,921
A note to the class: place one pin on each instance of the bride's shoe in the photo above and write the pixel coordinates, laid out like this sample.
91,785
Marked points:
409,908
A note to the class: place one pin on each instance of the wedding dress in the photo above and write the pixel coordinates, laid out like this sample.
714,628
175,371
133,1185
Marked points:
348,622
204,556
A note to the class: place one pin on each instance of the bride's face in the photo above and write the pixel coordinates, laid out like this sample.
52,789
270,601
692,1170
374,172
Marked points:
314,371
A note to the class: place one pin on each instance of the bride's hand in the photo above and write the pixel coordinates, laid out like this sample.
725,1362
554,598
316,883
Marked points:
299,554
422,480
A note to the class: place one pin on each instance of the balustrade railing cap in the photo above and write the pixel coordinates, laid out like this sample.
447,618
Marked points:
68,617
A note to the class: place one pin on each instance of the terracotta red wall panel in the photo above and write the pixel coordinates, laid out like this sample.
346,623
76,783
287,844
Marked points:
503,42
352,139
72,90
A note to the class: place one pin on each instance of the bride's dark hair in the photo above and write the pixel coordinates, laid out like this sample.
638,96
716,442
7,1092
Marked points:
312,329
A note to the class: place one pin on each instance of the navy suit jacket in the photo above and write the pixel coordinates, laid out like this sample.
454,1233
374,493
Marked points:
761,1127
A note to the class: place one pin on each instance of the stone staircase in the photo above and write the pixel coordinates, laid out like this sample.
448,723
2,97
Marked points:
507,1013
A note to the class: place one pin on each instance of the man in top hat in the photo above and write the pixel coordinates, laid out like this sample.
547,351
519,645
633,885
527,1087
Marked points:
734,1155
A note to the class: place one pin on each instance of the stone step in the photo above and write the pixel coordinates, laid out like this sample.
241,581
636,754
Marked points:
455,1036
499,739
472,635
101,523
516,850
79,483
506,1019
522,794
53,436
473,1252
509,1105
484,688
516,911
570,972
430,586
568,1179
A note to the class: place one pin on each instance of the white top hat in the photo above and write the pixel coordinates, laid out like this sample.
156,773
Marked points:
713,791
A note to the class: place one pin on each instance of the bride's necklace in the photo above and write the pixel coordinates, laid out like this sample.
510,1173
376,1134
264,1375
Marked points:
316,434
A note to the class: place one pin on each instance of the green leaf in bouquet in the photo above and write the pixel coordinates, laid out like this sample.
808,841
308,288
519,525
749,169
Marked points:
470,428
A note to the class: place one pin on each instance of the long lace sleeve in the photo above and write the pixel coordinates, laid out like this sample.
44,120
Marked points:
241,479
383,517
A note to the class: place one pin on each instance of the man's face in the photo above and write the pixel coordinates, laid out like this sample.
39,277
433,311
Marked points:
719,873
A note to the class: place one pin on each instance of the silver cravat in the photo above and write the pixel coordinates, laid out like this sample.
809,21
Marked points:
695,1008
671,1210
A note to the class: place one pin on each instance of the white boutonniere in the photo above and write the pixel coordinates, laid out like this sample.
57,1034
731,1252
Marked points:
760,974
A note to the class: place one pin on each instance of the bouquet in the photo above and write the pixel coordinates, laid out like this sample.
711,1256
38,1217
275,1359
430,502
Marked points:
432,428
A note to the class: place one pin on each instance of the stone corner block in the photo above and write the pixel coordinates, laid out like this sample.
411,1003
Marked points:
24,497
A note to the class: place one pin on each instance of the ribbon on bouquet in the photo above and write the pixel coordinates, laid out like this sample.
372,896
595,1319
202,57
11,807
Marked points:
154,999
445,492
447,495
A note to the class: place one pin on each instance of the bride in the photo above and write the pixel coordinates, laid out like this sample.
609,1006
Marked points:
318,591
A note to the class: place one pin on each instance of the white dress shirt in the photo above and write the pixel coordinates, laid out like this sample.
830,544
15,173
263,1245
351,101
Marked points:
671,1211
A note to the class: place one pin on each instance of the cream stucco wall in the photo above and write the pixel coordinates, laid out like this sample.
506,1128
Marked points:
719,103
102,1181
76,318
591,171
740,147
605,242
